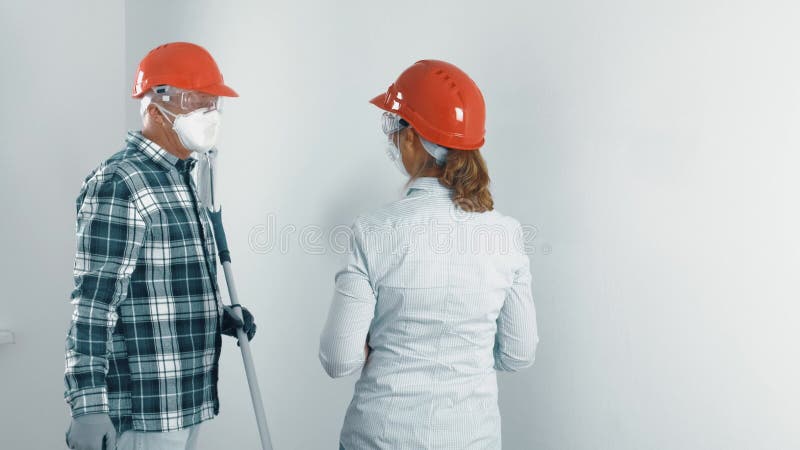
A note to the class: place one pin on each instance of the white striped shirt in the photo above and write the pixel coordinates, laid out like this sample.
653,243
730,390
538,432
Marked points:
444,298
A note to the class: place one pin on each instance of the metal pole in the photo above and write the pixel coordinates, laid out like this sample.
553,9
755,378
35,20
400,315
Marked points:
215,215
249,365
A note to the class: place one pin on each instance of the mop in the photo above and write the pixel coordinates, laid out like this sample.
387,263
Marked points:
205,181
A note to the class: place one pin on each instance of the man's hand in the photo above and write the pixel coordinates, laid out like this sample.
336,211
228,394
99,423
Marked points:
92,432
230,322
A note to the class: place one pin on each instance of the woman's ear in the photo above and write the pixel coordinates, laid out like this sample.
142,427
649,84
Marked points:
409,136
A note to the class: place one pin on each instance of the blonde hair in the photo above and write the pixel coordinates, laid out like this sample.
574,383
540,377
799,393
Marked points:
465,172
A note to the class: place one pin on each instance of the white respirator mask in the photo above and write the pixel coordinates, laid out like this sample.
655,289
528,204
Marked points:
396,157
197,130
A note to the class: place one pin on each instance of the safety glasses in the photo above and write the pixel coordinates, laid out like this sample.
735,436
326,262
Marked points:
188,100
392,123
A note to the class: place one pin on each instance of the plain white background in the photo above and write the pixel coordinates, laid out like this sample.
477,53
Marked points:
654,145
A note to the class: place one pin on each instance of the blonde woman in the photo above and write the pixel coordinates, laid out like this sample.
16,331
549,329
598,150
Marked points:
435,295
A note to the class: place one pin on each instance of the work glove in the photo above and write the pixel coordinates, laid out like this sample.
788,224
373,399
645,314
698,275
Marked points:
92,432
230,322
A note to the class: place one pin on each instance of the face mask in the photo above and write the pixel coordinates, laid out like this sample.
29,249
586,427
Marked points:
394,154
197,130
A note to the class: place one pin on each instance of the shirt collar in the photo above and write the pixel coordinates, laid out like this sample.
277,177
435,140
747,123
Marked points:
430,184
161,157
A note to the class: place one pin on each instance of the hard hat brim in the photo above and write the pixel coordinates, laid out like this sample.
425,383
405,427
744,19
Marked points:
219,90
380,101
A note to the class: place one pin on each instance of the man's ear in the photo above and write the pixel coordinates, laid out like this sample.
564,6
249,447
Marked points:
154,114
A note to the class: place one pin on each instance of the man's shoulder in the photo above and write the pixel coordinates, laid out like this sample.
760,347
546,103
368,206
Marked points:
125,174
129,165
132,162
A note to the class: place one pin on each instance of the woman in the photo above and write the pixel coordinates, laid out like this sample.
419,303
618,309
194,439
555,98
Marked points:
435,295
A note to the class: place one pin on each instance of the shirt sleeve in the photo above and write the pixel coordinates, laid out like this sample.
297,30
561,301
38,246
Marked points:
110,232
341,347
517,335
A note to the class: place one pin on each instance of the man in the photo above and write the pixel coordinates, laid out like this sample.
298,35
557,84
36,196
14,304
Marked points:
143,347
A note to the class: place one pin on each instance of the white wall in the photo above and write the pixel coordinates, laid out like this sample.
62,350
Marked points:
63,112
653,144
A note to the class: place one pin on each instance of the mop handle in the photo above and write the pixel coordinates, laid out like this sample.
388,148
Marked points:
244,343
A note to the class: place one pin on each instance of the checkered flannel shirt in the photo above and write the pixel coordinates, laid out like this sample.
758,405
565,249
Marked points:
144,341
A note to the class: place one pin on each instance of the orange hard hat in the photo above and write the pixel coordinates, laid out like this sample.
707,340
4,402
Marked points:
183,65
441,102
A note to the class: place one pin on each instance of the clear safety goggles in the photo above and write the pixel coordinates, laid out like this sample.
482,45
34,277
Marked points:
392,123
187,100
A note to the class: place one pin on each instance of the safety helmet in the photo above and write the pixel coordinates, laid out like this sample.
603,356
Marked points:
441,102
183,65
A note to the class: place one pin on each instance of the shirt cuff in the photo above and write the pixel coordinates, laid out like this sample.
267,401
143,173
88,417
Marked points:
88,401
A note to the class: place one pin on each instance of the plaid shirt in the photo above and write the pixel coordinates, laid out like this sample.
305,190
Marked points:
144,341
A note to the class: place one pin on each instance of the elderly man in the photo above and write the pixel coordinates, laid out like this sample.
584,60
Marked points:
144,343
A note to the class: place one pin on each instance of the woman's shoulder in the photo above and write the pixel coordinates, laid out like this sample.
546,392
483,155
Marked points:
493,218
392,213
416,209
503,219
